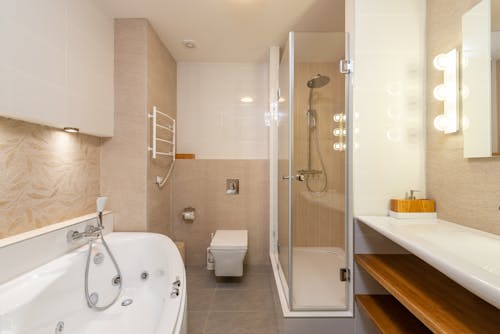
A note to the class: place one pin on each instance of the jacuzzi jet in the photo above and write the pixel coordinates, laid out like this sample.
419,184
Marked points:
127,302
116,280
94,298
59,327
144,275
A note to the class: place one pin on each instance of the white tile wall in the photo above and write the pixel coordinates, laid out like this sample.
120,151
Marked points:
212,122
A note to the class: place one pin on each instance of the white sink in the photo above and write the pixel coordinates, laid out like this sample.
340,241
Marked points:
468,256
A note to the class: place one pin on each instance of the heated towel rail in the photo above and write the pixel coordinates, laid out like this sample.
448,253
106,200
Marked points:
170,126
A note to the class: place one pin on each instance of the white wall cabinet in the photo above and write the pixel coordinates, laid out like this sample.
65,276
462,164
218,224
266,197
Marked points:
56,64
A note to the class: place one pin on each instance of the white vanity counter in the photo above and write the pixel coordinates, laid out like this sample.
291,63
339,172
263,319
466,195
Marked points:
468,256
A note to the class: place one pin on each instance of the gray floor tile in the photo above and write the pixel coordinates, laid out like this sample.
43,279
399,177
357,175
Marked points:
197,322
244,305
196,270
201,280
263,269
249,281
241,323
243,300
200,300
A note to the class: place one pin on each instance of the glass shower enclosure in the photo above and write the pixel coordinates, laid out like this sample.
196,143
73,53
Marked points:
311,232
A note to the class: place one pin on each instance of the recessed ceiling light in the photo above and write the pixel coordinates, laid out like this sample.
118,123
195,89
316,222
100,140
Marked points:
71,129
246,99
189,43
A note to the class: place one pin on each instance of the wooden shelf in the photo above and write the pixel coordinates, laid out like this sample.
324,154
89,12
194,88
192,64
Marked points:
181,156
389,316
437,301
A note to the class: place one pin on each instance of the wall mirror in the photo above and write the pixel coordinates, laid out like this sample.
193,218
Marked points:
481,79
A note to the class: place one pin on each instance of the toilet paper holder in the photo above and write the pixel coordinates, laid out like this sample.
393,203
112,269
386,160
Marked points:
188,214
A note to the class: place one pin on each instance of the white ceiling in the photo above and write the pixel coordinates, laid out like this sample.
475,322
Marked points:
229,30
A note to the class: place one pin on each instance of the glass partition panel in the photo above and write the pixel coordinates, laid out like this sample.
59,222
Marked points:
318,132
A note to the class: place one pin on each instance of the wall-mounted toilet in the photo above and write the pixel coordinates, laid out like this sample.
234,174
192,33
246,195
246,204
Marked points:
229,248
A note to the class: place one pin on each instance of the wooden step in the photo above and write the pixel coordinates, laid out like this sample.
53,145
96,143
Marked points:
389,316
439,302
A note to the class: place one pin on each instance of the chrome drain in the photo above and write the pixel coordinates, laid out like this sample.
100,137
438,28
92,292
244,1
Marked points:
59,327
127,302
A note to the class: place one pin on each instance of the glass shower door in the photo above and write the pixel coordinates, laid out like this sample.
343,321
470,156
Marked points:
284,170
312,139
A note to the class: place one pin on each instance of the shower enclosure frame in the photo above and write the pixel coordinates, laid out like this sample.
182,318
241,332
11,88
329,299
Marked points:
285,288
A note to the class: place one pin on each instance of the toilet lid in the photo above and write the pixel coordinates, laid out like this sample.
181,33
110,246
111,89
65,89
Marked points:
230,239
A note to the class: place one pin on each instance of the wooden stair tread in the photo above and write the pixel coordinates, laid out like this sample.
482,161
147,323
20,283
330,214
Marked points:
389,316
440,303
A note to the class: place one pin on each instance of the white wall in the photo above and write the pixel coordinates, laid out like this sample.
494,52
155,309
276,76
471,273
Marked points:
212,122
388,102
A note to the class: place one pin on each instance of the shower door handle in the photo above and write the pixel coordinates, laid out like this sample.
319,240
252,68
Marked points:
285,177
300,177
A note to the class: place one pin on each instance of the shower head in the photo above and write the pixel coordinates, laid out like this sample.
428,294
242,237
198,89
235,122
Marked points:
318,81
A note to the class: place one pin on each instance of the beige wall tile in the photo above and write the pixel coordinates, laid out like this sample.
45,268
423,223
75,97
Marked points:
47,176
145,76
466,191
124,166
201,184
162,93
316,225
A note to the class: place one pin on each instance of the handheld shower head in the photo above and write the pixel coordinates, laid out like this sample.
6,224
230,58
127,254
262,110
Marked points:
101,203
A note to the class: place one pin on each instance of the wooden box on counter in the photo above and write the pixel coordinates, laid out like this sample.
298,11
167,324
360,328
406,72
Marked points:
413,205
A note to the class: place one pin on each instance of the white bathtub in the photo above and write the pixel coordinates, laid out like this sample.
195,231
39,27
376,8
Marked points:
37,301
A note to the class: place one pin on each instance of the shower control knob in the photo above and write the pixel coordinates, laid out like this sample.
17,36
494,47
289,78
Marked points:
300,177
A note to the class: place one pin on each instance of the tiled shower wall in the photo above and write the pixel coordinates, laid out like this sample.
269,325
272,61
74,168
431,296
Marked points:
319,219
229,139
466,191
47,176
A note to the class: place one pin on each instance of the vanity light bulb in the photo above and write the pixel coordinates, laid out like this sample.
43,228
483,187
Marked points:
441,92
337,132
338,118
442,62
338,146
441,122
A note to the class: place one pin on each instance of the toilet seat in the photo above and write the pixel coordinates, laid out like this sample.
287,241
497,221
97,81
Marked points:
230,240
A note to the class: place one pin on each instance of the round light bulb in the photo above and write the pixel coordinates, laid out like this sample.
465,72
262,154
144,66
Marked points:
337,132
338,146
338,118
441,92
442,62
441,122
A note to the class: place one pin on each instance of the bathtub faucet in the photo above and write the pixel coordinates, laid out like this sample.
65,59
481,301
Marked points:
90,232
